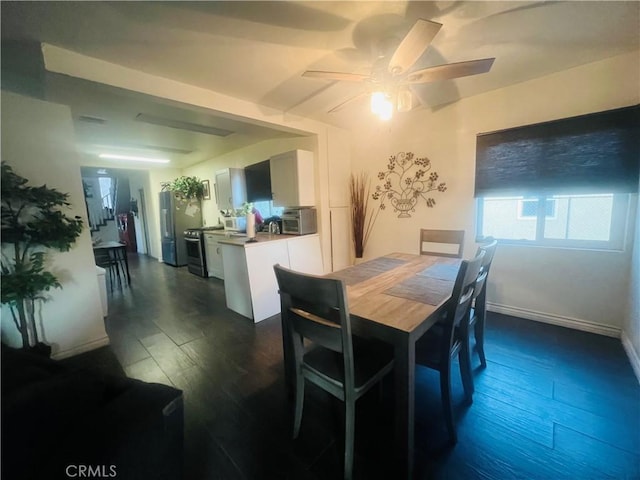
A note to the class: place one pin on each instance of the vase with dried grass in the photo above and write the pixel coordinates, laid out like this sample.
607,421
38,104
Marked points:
362,218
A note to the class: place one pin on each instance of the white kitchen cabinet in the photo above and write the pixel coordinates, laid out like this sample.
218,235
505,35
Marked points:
305,254
213,252
231,188
265,299
250,284
292,179
237,291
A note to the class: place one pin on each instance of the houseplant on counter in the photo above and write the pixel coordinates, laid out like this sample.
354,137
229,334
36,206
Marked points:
32,222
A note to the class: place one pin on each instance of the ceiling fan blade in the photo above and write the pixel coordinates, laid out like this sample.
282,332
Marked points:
341,76
347,102
413,46
450,70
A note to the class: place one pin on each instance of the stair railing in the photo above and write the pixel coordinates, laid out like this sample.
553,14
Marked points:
101,209
97,213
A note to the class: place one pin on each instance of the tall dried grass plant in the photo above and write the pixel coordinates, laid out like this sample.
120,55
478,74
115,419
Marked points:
362,218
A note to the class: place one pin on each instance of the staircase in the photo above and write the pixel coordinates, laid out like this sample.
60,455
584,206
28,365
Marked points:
100,205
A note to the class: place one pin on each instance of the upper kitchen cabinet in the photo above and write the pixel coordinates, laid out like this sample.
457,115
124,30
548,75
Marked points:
231,189
292,179
258,178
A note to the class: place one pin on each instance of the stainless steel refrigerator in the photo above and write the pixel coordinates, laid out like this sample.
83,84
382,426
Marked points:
175,218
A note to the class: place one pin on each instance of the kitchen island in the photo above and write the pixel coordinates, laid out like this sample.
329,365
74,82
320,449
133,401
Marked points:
250,284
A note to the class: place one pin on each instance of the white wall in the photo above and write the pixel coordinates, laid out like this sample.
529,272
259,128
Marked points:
631,324
584,289
38,142
138,180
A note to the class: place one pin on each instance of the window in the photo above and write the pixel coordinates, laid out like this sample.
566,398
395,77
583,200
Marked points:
266,209
106,191
591,153
528,208
581,221
565,182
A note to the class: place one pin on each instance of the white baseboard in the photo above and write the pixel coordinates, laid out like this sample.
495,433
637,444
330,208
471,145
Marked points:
85,347
575,323
631,353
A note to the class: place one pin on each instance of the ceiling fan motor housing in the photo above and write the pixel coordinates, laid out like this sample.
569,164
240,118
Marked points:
391,79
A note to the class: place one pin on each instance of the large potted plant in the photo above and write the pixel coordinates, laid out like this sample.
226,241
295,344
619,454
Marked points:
32,223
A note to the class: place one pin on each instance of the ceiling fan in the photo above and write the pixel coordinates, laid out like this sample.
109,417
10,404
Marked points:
390,81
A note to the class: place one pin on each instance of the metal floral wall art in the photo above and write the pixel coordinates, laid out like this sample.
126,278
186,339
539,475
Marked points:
408,179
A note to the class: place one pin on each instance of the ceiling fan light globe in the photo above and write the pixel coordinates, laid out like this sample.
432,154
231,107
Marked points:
387,112
381,105
377,102
404,100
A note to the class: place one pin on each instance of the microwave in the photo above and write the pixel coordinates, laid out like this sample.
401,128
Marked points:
235,224
299,221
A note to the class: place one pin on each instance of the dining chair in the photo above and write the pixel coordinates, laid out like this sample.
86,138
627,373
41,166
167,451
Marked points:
119,255
104,259
442,243
450,338
478,315
315,308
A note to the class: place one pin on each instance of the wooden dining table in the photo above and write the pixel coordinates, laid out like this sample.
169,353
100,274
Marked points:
397,298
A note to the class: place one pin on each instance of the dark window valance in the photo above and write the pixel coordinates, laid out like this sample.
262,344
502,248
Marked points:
599,152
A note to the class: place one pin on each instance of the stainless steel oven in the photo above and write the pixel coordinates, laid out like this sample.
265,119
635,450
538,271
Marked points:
196,258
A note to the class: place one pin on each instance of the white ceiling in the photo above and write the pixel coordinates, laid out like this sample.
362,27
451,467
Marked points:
257,51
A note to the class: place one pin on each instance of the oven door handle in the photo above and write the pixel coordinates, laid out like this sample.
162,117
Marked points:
192,240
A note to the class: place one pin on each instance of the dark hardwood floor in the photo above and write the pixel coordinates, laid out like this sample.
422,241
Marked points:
553,403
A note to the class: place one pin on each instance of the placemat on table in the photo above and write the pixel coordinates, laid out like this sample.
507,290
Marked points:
367,270
431,291
442,271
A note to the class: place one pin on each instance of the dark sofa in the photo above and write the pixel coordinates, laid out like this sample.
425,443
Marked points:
61,422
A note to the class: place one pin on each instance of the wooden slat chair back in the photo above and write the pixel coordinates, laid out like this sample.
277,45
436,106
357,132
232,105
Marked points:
442,243
479,311
316,309
437,348
464,289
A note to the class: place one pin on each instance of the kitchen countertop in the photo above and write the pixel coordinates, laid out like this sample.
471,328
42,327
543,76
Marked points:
223,233
261,238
